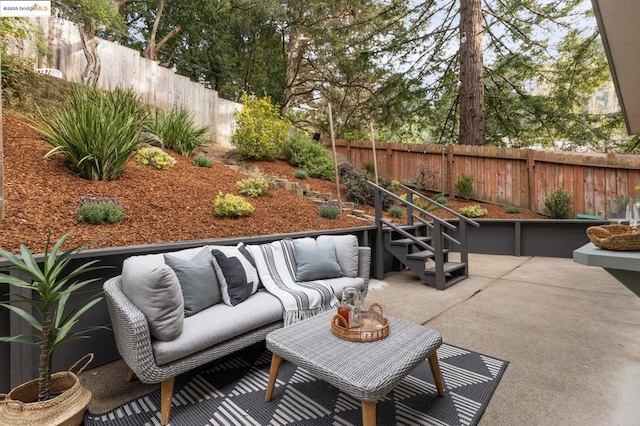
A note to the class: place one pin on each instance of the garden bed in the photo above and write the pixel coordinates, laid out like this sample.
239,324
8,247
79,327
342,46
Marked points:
160,205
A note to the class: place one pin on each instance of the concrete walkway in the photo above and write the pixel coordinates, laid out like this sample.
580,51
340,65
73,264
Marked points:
570,332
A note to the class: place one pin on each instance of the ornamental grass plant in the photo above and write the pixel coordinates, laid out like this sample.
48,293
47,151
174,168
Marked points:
177,130
97,133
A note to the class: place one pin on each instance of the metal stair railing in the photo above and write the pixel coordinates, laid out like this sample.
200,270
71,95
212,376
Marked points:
437,226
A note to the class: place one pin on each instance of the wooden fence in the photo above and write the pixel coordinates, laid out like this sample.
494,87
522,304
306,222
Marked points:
508,176
124,67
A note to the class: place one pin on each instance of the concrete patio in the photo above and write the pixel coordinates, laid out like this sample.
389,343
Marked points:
570,332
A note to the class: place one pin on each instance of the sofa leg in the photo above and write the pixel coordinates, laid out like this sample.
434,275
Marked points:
130,376
166,396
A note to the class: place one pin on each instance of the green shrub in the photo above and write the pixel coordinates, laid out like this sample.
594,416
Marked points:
16,70
155,157
358,190
202,161
300,174
416,200
464,186
253,187
427,179
260,131
557,203
329,209
441,199
368,166
177,130
473,211
229,205
300,150
512,209
97,211
395,212
97,133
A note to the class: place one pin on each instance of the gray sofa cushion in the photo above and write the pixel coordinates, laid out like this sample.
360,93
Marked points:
218,324
238,278
198,281
154,288
346,252
316,260
339,284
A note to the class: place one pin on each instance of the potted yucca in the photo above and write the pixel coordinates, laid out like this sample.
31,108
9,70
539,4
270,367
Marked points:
57,398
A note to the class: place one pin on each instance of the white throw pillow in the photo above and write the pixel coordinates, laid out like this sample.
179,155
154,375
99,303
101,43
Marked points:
346,252
154,289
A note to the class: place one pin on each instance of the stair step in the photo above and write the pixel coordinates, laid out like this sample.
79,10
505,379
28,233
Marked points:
408,241
424,254
448,268
404,227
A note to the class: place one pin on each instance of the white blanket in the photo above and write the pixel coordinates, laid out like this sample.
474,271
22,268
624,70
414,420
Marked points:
276,265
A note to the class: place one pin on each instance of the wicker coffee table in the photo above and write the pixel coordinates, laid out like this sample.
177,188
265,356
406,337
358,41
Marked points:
366,371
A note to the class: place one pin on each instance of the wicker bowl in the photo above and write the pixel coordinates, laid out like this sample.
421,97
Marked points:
614,237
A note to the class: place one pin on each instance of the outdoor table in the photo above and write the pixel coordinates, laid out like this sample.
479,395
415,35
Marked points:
623,265
366,371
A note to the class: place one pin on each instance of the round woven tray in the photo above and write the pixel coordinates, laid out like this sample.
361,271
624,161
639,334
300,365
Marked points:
614,237
374,328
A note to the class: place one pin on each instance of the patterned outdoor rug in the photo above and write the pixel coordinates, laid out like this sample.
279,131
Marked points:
231,392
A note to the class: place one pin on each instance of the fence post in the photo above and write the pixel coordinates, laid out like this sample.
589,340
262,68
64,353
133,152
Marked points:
531,186
450,168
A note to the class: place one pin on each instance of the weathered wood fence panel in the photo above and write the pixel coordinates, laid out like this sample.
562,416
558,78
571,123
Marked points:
124,67
508,176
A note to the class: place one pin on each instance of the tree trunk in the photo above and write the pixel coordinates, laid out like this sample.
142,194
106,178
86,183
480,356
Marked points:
44,370
151,52
90,43
292,52
472,115
1,155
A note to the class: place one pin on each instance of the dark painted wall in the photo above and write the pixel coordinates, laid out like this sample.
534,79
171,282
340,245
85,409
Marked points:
551,238
23,359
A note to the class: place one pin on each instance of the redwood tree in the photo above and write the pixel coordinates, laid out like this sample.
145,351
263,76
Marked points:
472,114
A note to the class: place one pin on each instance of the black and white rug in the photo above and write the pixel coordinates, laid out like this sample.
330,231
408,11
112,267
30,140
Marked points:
231,392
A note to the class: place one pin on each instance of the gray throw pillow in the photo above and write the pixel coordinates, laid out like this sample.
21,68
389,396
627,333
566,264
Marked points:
237,276
198,281
346,252
155,290
316,260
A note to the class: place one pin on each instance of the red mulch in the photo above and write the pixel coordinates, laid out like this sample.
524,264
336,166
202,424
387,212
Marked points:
160,205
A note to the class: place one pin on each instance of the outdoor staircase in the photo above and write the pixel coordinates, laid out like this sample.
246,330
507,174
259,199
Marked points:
423,247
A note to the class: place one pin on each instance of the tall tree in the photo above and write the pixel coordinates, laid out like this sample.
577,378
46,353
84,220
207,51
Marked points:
91,16
229,45
471,74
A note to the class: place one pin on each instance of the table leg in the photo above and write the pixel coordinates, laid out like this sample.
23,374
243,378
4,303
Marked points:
273,375
368,413
437,376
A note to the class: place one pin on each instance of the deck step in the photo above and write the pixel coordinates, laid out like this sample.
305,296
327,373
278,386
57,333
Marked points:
424,254
408,241
449,267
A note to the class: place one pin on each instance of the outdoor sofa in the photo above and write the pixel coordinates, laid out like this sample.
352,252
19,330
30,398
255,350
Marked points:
173,312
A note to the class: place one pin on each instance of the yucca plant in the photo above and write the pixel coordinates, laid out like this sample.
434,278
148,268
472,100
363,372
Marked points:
177,130
53,286
97,133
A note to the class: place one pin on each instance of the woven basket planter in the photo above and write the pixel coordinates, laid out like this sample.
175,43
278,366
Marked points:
66,409
614,237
